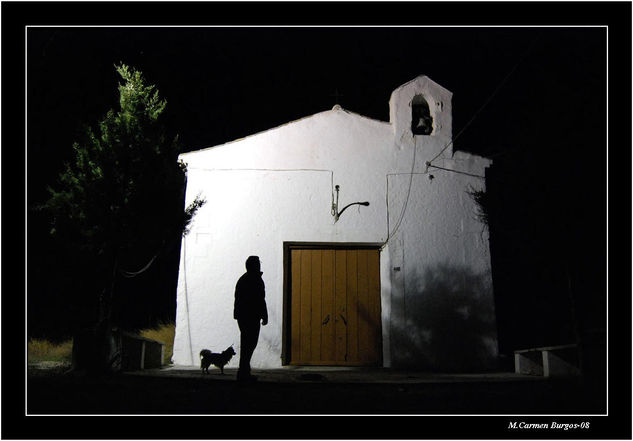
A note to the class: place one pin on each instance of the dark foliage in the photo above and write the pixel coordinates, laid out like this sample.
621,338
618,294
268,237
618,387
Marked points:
483,203
120,200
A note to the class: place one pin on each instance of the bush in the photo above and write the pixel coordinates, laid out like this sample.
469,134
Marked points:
43,350
164,333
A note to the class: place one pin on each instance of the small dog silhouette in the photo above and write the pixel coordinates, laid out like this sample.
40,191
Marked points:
208,358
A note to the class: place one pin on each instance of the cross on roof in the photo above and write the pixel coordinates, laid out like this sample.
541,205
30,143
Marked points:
336,95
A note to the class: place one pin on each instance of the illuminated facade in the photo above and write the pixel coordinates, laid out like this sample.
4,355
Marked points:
402,281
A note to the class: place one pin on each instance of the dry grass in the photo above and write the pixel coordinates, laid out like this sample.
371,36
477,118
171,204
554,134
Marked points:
43,350
163,333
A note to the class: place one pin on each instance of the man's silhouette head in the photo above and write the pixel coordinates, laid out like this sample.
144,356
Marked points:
253,265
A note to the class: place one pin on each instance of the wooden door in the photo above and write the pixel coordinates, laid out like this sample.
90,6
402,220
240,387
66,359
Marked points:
335,307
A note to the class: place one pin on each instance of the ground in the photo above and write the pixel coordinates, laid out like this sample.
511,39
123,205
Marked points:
184,391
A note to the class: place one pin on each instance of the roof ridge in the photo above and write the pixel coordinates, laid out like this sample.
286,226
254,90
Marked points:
337,108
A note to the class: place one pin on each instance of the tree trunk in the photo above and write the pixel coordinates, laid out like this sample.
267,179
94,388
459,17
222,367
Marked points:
97,349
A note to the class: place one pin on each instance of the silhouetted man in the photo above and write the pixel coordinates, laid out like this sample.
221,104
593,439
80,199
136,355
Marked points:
249,309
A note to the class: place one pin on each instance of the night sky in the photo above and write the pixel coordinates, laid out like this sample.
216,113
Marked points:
534,99
540,101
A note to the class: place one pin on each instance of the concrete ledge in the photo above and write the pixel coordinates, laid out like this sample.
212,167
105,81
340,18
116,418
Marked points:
140,353
548,361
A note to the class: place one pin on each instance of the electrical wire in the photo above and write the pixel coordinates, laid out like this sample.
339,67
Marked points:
262,169
165,246
494,93
430,163
184,278
130,274
184,257
406,202
457,171
331,172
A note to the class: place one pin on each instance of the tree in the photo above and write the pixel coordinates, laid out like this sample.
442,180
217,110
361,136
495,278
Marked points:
121,199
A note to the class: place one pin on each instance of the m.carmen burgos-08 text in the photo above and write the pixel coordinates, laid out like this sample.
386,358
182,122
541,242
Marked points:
552,425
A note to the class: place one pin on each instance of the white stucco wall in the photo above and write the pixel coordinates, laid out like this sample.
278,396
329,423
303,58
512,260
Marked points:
278,186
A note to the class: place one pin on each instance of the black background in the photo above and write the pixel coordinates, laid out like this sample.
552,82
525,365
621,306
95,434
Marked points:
532,99
545,126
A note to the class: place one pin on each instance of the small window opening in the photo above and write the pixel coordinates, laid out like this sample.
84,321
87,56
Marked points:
421,120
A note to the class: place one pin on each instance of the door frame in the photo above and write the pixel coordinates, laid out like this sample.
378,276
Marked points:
287,248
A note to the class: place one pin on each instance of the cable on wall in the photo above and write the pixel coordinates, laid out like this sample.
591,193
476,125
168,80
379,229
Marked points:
406,202
331,172
184,278
454,171
184,257
429,164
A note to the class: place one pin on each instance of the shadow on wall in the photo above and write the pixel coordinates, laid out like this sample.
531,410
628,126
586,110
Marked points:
269,338
445,322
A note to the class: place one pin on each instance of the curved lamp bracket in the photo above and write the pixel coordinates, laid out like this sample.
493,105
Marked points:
337,214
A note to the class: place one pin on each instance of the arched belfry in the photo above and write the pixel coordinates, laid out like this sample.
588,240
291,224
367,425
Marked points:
421,119
421,107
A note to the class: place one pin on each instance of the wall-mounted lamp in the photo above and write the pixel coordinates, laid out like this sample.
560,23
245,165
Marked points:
337,214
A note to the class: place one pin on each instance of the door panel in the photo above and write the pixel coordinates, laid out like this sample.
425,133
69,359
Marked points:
340,290
315,295
295,304
305,301
335,307
352,303
374,348
363,310
328,342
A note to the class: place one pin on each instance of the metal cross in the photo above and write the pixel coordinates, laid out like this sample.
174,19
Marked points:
336,95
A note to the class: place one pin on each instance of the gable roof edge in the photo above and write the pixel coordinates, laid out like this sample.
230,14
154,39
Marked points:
336,108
